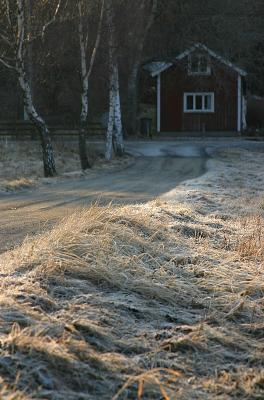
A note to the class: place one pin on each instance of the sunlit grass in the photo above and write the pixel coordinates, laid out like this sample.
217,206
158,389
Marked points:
156,301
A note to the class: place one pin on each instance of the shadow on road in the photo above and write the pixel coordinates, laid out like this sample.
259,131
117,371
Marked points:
150,177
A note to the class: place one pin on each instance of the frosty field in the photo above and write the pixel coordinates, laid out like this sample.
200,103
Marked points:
162,299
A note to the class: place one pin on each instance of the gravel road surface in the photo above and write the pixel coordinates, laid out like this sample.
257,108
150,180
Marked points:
29,212
159,167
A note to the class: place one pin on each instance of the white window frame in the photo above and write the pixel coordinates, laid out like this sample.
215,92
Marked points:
203,94
208,70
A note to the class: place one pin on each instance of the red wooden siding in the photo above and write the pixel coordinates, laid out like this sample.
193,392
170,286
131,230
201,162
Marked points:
176,81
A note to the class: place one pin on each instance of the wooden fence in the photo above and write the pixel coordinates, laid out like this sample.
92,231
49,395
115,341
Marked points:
25,129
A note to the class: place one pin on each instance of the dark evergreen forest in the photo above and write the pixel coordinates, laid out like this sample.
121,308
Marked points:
234,29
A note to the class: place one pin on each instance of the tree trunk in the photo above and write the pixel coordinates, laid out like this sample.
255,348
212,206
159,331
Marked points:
35,118
86,72
47,151
132,101
111,123
118,128
85,164
114,129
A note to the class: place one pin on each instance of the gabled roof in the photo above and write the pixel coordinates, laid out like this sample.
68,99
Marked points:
155,68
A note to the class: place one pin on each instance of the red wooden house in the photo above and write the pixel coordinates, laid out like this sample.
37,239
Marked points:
199,91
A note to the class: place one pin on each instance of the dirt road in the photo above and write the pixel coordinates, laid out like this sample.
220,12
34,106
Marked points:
160,166
30,212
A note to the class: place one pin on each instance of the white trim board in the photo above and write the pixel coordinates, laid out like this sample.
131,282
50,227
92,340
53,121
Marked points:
244,113
155,68
239,103
158,102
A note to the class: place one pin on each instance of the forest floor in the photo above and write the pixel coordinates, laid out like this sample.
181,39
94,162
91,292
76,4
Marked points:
162,299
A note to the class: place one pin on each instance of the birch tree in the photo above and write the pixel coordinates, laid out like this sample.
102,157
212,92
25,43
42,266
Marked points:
14,42
114,136
86,70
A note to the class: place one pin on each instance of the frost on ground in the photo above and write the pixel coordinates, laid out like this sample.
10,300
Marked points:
162,300
21,165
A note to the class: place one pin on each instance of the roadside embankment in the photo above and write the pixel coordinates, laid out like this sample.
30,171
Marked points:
158,300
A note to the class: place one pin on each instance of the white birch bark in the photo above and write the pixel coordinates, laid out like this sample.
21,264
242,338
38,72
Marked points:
111,116
47,150
84,95
84,72
15,37
110,127
114,129
85,75
118,128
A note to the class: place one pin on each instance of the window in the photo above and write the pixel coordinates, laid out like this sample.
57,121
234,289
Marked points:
198,102
199,65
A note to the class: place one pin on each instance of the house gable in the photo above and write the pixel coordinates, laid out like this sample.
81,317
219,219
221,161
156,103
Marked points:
156,68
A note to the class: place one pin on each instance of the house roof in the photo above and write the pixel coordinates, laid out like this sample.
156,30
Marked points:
155,68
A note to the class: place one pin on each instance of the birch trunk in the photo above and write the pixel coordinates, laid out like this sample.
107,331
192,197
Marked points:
114,134
110,127
84,99
118,128
85,75
37,120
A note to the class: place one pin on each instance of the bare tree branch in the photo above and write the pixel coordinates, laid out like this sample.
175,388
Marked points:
98,38
6,64
53,19
81,30
8,14
20,30
5,39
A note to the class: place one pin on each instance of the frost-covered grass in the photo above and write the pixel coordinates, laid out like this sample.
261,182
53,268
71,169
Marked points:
161,300
21,164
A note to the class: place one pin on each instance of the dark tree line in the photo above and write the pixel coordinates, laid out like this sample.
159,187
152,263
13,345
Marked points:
83,58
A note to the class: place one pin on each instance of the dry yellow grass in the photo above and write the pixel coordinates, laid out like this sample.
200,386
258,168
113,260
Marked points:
21,164
156,301
251,242
16,184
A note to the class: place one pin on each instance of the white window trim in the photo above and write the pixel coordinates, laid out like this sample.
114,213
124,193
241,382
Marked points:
205,73
203,94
